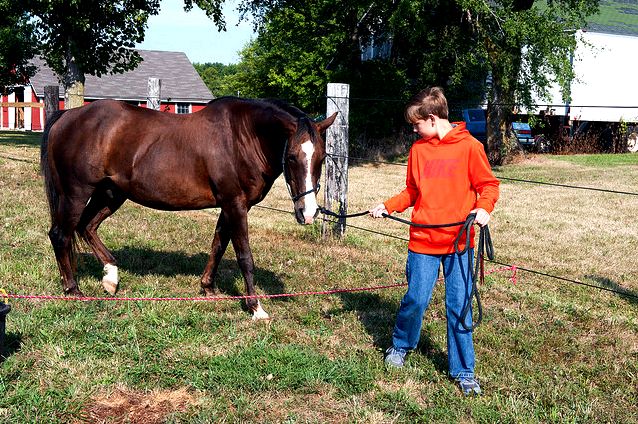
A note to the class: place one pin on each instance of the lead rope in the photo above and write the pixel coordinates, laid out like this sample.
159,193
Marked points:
484,247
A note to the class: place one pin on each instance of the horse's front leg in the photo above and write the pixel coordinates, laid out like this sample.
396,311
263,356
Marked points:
239,237
219,245
101,205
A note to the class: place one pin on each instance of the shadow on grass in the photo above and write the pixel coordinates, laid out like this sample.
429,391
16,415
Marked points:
142,262
378,315
16,159
12,345
630,296
20,138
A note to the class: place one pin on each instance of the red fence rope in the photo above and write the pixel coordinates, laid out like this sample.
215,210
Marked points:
200,299
219,298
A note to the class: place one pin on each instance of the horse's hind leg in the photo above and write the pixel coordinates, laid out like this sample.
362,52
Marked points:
102,204
219,245
61,234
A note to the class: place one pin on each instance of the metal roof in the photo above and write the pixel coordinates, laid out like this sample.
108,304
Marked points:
180,80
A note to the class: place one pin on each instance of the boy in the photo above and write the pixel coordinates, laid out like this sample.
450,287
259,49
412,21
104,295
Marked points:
448,177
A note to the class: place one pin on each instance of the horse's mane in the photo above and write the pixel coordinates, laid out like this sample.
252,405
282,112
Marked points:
282,104
304,123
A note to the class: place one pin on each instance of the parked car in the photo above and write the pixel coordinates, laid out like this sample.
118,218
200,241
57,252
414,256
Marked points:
476,123
523,133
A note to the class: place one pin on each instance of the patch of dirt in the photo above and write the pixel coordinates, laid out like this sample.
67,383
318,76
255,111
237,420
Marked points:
128,406
321,407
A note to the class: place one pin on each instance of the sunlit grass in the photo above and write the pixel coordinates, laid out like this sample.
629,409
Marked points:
547,351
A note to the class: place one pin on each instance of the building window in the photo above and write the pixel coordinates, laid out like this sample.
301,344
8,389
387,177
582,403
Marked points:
183,108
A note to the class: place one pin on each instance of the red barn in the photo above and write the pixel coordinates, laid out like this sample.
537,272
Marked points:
182,90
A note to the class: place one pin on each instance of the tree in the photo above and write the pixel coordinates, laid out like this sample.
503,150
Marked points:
79,37
302,45
506,51
219,78
17,44
212,8
526,47
291,56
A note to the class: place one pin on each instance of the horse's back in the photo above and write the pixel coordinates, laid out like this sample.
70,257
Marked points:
104,115
107,126
83,126
171,161
104,139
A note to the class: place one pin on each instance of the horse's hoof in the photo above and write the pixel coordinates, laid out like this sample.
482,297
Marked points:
208,292
110,279
109,286
75,292
259,314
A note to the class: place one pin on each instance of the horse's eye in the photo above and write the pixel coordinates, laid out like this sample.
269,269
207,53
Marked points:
291,158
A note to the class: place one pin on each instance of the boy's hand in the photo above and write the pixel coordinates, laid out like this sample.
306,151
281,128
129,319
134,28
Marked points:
378,211
482,217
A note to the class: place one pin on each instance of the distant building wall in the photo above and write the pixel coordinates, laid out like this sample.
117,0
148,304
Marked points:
33,118
605,87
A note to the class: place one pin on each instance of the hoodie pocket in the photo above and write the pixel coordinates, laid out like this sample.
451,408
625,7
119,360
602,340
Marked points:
436,237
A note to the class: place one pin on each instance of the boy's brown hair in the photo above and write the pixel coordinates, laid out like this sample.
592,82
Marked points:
430,101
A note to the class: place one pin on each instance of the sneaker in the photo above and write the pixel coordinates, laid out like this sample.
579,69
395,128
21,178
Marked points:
394,358
469,386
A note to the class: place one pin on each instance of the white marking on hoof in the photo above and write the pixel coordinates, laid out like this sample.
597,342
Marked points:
110,280
259,313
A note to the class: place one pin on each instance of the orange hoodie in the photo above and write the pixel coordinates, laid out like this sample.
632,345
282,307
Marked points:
446,179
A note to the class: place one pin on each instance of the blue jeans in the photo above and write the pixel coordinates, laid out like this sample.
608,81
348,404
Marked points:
422,272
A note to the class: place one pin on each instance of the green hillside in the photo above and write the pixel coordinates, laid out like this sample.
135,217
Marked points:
616,17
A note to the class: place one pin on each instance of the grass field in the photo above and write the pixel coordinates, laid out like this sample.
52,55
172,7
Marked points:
548,350
616,16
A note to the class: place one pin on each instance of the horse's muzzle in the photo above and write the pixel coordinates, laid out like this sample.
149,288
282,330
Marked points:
304,219
299,216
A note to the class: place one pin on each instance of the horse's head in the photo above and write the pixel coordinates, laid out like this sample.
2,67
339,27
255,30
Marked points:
304,154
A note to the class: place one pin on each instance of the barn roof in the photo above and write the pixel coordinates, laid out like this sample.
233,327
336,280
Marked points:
180,80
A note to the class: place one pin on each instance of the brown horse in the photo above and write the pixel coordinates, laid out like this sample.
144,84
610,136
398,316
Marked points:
227,155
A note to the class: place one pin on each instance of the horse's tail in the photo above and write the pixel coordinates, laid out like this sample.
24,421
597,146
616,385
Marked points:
45,168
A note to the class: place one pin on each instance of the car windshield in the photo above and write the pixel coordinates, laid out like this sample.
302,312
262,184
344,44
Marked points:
476,115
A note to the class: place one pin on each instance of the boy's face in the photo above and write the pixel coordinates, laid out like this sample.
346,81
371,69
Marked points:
425,127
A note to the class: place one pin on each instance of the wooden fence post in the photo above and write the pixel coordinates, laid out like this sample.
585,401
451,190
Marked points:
154,93
51,100
336,191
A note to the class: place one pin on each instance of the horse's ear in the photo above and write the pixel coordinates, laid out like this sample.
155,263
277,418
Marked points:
323,125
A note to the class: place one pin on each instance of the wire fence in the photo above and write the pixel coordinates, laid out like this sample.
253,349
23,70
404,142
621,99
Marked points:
625,293
621,292
378,123
499,176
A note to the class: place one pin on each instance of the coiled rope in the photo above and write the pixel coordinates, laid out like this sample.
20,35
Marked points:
484,247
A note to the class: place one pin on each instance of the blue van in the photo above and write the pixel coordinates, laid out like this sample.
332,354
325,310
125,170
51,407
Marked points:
523,133
476,123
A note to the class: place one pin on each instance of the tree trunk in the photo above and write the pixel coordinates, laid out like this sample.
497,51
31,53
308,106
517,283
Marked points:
501,143
73,84
496,128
